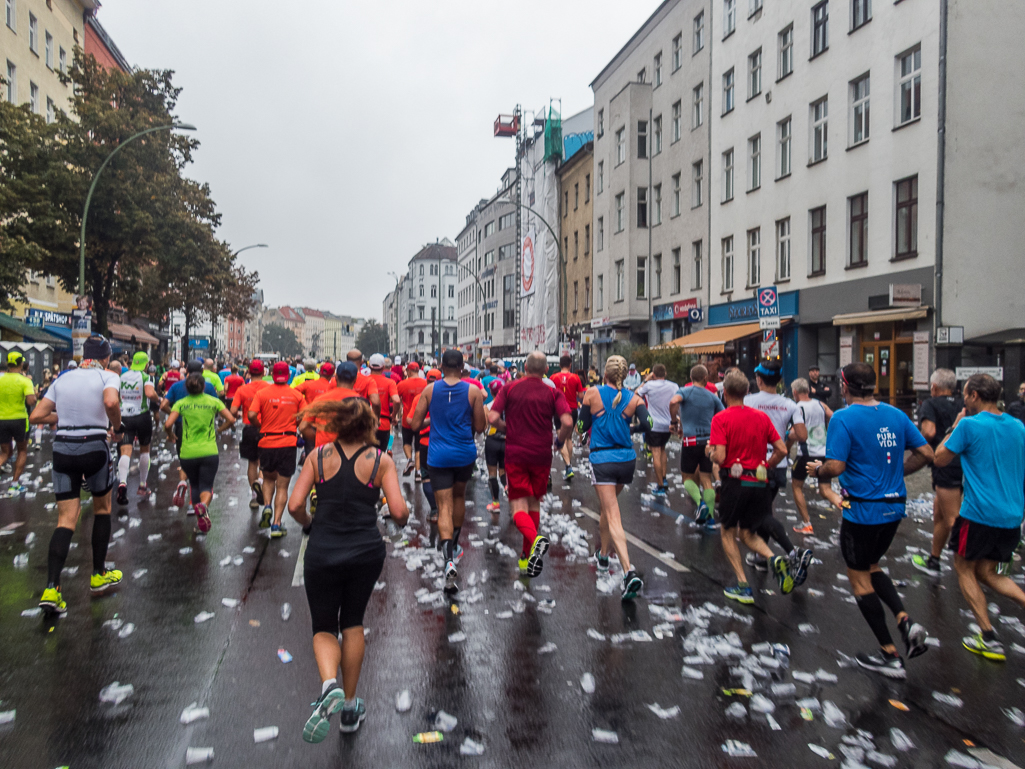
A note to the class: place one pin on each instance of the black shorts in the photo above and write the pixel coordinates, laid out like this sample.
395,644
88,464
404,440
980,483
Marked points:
777,481
78,463
446,477
658,440
249,446
612,473
693,458
279,460
743,504
799,470
979,542
382,439
338,596
201,472
407,436
494,451
421,452
13,430
947,478
862,545
575,413
140,426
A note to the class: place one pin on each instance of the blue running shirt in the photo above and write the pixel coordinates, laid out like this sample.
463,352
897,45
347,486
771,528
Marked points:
992,451
452,443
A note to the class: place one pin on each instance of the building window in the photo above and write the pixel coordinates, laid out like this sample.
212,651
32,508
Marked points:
601,123
783,249
820,28
907,218
697,196
489,230
506,252
576,296
576,196
620,281
729,17
33,97
421,290
508,301
656,69
819,130
11,14
677,52
860,123
697,267
656,211
451,292
656,127
754,257
434,292
420,337
642,206
783,145
677,270
727,91
676,194
420,310
620,211
12,83
698,112
786,52
506,222
587,294
599,298
33,33
754,162
642,264
642,139
601,176
699,32
51,110
63,58
756,5
727,175
489,257
642,76
576,245
565,203
818,241
727,264
600,232
49,50
587,239
620,146
677,117
857,207
656,276
861,13
754,74
910,86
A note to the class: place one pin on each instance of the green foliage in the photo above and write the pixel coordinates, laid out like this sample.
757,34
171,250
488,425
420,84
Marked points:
280,340
677,363
373,337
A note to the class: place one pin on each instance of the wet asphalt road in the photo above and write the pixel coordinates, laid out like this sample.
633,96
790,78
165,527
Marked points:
526,708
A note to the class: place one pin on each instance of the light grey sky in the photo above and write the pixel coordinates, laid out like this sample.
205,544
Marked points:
347,134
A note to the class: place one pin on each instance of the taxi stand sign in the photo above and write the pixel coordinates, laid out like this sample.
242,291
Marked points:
767,301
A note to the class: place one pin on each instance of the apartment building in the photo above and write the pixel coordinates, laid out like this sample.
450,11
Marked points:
430,300
391,314
651,186
575,222
313,331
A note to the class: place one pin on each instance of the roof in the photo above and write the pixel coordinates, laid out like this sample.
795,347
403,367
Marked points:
583,153
291,315
27,332
306,311
436,251
632,43
108,42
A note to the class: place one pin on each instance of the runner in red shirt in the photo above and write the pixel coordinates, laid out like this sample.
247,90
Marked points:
388,393
407,390
525,409
231,384
312,389
573,390
173,375
249,446
365,386
738,440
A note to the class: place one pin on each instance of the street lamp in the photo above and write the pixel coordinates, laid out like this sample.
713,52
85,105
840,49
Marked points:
246,248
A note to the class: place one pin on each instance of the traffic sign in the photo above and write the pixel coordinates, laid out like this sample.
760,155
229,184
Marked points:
767,301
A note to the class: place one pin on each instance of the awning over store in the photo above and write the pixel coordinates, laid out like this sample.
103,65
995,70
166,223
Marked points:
880,316
28,333
125,333
62,332
714,339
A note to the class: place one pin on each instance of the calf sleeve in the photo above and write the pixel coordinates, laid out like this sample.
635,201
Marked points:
887,593
101,538
60,544
872,609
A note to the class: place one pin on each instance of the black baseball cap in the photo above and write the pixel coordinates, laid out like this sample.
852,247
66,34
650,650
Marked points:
194,366
452,359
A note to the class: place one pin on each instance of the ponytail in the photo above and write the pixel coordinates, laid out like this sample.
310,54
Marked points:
615,373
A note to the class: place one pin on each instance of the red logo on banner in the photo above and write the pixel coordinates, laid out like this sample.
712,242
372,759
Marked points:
527,261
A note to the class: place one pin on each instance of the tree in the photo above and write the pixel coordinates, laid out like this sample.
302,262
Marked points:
373,337
280,340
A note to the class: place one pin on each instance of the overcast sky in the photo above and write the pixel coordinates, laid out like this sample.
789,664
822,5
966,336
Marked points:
347,134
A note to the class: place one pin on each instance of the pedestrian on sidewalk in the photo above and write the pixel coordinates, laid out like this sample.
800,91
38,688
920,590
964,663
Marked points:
991,446
345,552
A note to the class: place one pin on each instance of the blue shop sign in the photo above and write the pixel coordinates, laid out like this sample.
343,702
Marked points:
746,310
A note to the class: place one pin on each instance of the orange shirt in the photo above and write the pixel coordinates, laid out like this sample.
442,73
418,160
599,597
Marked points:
244,397
408,389
334,394
313,388
365,386
277,406
386,389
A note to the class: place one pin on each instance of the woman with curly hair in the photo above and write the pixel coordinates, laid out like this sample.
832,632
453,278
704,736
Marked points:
345,552
607,414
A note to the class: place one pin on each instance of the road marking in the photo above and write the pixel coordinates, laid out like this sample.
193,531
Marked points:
297,575
641,544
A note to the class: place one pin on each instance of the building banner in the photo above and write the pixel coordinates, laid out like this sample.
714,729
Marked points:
539,301
528,264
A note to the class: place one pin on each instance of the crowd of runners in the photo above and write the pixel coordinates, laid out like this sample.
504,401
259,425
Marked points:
358,428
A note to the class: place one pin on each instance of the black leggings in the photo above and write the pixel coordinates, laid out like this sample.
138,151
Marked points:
201,472
339,595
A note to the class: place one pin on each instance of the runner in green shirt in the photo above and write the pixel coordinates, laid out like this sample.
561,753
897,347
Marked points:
17,396
198,456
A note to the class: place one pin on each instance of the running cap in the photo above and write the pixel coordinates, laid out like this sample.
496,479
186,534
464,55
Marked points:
256,367
377,360
346,371
14,358
452,359
139,361
194,367
327,369
413,366
174,364
398,360
495,386
280,372
433,374
96,347
72,364
632,367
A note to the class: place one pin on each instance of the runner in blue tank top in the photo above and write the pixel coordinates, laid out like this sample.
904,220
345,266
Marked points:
457,412
607,411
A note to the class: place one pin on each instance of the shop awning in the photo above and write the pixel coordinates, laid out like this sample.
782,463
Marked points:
62,332
126,334
880,316
712,340
27,332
